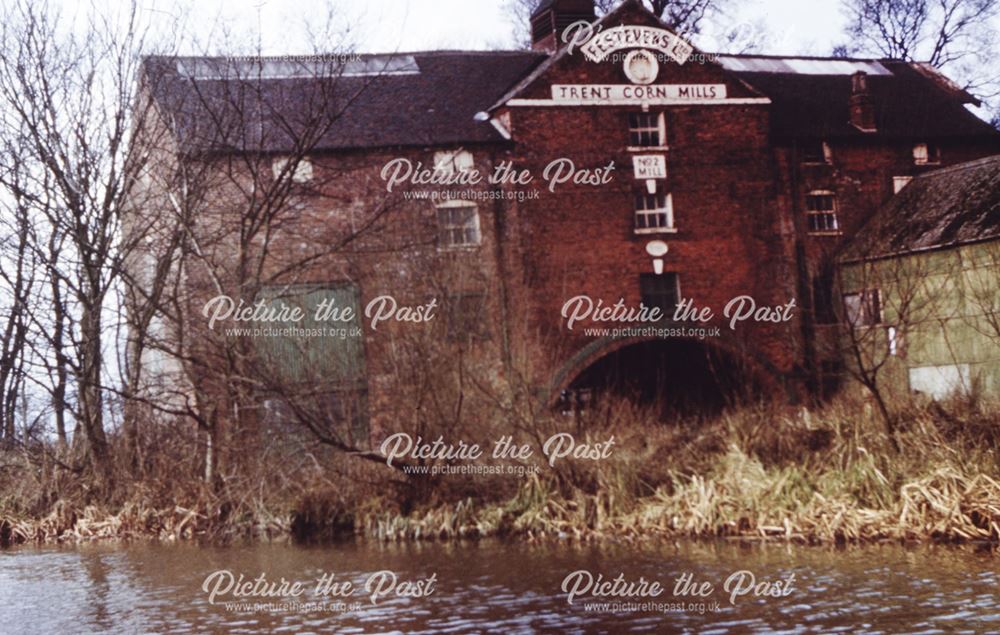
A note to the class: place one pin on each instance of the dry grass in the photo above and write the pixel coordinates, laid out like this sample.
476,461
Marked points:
826,475
822,476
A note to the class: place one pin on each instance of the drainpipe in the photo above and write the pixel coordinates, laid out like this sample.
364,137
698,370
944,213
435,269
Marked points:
803,283
499,233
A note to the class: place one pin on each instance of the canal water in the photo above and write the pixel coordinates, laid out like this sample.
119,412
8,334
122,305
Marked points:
499,587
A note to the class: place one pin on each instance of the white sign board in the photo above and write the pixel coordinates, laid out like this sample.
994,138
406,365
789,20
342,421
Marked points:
631,94
633,36
649,166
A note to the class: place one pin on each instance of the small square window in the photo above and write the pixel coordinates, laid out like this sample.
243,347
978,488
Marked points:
662,291
451,162
899,182
816,152
458,226
821,209
303,172
863,308
646,130
653,212
926,154
467,317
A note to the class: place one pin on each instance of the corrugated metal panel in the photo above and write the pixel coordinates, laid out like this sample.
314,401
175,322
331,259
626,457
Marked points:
336,358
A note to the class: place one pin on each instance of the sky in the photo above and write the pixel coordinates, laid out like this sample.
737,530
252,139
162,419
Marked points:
793,26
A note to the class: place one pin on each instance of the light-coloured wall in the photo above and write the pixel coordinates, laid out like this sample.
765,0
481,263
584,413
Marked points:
945,307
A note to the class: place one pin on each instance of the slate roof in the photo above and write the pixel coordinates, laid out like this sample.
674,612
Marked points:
944,208
911,101
435,105
431,98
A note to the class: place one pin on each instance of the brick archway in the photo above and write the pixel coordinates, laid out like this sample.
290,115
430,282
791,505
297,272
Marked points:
586,357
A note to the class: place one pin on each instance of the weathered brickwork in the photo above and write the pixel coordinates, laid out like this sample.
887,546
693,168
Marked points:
739,183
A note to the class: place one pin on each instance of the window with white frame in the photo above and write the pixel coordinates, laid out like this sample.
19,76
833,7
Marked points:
653,212
863,308
646,130
458,225
454,161
302,172
926,154
821,209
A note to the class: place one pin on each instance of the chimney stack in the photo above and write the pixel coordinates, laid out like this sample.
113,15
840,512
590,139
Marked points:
552,17
862,104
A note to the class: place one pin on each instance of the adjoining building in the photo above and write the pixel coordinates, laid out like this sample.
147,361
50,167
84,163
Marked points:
658,173
921,285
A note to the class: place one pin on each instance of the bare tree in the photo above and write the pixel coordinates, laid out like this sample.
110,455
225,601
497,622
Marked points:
956,35
889,303
682,16
18,277
69,91
686,17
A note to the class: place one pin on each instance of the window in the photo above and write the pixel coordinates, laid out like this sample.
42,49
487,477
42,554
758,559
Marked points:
299,358
303,172
823,304
863,308
821,208
458,226
341,414
926,154
661,291
895,341
653,212
451,162
646,130
899,182
467,316
815,152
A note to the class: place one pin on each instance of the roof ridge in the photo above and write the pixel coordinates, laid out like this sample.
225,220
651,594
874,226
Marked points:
966,165
808,57
334,54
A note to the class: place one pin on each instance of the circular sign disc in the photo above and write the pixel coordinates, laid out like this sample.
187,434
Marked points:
641,67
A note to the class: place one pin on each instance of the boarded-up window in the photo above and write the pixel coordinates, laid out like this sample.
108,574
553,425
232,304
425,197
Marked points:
467,317
315,367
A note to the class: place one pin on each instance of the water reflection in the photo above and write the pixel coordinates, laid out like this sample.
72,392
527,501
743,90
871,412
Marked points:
493,586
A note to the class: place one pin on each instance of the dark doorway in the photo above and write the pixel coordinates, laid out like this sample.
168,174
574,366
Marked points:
680,377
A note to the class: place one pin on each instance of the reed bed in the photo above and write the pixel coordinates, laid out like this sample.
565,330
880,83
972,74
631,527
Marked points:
827,475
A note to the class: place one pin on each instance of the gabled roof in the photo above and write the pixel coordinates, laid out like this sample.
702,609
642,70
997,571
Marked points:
944,208
564,51
810,97
407,99
431,98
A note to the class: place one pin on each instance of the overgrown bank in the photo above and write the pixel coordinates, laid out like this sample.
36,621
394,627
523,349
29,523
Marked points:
828,475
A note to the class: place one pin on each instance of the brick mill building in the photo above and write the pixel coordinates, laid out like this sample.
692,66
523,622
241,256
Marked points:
751,170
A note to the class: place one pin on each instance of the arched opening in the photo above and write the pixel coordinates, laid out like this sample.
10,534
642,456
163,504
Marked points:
680,377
